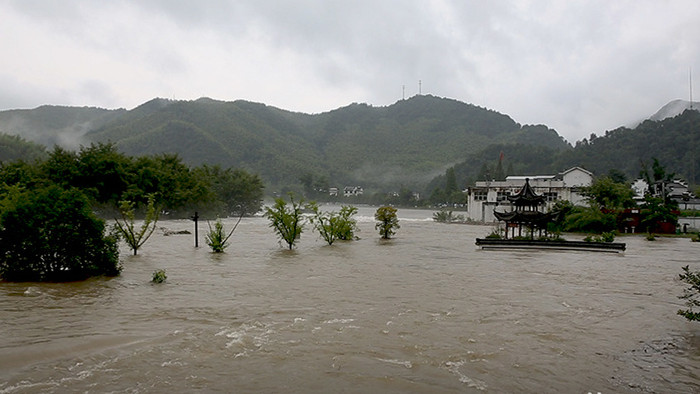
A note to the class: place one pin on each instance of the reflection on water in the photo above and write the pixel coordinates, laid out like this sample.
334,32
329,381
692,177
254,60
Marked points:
424,312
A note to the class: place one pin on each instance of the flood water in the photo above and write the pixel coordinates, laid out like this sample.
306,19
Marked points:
424,312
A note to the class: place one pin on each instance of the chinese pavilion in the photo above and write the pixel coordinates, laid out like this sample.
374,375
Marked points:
526,213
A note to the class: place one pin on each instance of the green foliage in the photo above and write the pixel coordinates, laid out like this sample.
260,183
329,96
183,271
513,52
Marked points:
216,238
651,237
347,225
604,237
695,237
387,221
691,294
51,125
286,219
126,227
610,195
590,219
51,234
108,177
234,191
333,225
159,276
350,145
14,148
495,234
655,211
447,216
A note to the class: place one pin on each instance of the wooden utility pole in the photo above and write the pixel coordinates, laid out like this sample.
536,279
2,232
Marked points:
196,229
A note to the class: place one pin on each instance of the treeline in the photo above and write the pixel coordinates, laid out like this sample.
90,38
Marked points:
107,177
620,152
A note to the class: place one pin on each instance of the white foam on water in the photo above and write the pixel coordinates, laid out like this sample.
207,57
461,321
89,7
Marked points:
402,363
336,321
453,367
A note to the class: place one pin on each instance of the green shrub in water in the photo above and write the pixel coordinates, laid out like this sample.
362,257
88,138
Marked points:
159,276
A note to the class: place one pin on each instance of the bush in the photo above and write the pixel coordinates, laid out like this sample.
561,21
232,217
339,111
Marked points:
126,228
333,225
494,234
691,294
51,234
287,223
445,216
387,221
604,237
159,276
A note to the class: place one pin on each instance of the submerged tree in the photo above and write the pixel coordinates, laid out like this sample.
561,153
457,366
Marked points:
691,294
333,225
51,234
217,239
126,227
387,221
286,219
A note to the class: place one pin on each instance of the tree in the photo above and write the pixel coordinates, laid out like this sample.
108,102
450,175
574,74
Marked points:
286,220
691,294
135,239
658,207
216,238
347,225
590,219
236,192
655,211
51,234
334,225
387,221
609,194
450,181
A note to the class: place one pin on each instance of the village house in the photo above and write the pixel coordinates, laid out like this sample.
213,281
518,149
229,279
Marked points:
486,196
353,191
677,190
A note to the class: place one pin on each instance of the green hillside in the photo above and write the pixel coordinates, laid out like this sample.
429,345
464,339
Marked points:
13,148
406,143
675,142
55,125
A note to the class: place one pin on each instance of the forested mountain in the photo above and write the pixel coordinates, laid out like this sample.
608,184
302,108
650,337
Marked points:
674,141
406,143
381,148
55,125
13,148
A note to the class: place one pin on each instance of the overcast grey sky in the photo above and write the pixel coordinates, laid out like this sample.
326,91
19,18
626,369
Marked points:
577,66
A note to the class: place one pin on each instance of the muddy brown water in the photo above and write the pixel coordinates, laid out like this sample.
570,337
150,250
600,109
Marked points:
424,312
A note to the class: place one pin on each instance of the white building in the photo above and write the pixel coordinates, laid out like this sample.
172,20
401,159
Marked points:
486,196
353,191
677,190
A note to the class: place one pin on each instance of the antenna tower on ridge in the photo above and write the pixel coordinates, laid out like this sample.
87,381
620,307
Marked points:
690,82
420,89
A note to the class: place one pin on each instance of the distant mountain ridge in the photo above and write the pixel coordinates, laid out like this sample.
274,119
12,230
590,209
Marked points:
674,108
406,143
55,125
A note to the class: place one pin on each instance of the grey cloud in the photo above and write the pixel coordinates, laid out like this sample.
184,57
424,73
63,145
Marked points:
579,67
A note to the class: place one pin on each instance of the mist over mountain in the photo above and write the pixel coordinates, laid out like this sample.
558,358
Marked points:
55,125
674,108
